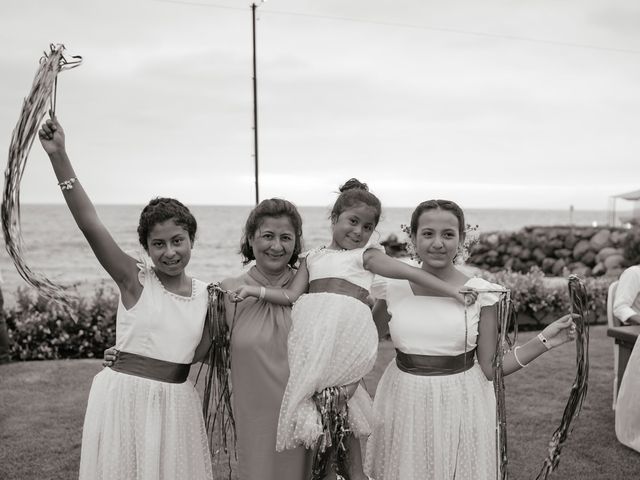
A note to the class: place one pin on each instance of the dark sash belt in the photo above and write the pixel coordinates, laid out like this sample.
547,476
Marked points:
434,365
151,368
339,286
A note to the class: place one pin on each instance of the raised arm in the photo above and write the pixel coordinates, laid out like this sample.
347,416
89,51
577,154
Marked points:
556,333
279,296
381,264
120,266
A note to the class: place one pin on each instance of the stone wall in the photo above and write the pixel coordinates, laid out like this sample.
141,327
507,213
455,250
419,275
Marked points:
586,251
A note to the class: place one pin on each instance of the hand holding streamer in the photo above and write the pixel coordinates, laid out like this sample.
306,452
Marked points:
41,98
578,298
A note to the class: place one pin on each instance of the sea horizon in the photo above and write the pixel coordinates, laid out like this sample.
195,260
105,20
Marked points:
54,246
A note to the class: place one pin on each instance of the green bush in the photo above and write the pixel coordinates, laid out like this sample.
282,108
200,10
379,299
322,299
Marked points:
39,329
543,301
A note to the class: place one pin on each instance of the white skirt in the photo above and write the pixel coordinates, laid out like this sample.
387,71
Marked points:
140,429
433,428
333,341
628,403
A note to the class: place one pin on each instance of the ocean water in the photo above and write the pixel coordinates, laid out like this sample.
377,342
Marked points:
54,245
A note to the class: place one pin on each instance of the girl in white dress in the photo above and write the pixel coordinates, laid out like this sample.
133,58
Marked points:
435,403
333,340
144,418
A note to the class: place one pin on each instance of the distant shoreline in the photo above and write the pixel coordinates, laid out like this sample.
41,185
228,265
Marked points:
302,205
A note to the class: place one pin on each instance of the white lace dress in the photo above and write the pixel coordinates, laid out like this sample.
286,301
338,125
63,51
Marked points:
627,421
141,429
333,341
432,427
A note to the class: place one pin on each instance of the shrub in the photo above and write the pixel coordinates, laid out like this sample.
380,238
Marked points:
543,301
39,329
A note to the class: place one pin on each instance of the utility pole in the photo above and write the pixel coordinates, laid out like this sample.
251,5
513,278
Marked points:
255,103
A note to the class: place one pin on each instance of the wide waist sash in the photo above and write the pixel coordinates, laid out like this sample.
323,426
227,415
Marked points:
151,368
339,286
434,365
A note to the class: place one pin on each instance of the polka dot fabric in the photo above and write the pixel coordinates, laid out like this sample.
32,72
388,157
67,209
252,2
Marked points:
141,429
432,427
332,342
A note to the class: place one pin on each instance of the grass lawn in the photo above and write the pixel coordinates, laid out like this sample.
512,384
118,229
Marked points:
42,407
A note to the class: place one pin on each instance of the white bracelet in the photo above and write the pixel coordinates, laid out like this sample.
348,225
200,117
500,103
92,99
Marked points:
544,341
67,184
263,292
515,355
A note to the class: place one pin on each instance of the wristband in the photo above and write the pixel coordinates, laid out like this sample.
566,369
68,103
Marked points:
515,355
263,292
67,184
544,341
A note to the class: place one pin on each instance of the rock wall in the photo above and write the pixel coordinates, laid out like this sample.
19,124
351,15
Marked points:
586,251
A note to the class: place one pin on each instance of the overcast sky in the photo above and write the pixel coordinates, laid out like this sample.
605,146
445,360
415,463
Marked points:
530,104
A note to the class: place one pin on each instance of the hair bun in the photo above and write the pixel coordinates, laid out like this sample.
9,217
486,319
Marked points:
354,184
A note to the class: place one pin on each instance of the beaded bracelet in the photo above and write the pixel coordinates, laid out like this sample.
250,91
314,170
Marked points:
263,292
67,184
544,341
515,355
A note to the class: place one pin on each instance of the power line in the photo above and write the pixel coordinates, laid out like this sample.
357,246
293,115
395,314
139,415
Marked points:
457,31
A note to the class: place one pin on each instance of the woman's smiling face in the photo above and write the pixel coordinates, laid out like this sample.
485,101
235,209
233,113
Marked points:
273,244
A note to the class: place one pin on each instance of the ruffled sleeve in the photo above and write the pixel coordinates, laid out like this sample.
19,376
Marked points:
144,265
485,299
371,245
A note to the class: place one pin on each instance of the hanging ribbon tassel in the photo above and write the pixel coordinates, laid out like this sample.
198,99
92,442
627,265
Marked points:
504,343
579,305
216,404
41,98
332,443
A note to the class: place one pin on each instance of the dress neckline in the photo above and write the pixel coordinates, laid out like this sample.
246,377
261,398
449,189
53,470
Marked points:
261,278
170,293
414,294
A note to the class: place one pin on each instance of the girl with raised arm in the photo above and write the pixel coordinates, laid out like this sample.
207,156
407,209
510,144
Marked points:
144,418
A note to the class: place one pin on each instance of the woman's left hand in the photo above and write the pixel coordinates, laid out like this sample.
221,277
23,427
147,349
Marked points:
561,331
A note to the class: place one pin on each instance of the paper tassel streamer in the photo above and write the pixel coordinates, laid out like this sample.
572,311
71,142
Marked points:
41,98
579,299
332,443
504,343
216,403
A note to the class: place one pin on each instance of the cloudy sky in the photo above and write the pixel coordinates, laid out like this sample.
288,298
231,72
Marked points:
532,104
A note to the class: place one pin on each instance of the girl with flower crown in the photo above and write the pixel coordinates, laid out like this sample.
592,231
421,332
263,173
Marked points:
333,340
435,403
